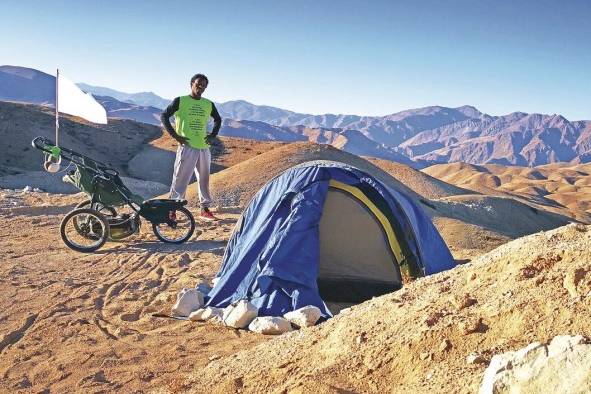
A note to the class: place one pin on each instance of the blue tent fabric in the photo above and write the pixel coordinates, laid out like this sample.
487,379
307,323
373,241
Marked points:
272,258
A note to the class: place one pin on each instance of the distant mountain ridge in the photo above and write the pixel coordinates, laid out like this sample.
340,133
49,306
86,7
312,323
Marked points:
31,86
146,99
26,85
419,136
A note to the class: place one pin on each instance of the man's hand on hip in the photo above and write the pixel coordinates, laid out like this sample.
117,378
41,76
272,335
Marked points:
181,140
210,139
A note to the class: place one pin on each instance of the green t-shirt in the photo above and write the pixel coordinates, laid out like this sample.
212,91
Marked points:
191,120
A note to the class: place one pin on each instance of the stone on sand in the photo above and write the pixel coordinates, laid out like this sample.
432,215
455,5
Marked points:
187,301
240,314
270,325
563,366
304,317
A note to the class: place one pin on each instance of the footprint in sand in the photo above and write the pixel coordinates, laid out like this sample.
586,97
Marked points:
129,317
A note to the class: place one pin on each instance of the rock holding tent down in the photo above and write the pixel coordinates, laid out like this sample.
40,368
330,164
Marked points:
212,314
197,315
187,301
207,314
563,366
240,314
270,325
304,317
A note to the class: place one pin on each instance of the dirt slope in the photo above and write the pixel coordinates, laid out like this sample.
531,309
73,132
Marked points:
155,161
114,144
237,184
72,322
417,339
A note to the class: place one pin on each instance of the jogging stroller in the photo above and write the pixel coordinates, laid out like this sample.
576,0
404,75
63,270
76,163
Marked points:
95,220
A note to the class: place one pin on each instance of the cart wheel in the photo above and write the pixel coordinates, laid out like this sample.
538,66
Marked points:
177,231
84,230
104,209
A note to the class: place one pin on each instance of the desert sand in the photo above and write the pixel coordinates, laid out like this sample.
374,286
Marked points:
72,322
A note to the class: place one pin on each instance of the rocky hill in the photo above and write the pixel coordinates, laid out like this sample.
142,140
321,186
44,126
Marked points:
436,335
135,149
90,323
562,188
424,136
115,143
455,211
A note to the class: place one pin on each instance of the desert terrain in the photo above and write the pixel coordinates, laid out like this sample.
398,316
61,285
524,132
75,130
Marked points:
72,322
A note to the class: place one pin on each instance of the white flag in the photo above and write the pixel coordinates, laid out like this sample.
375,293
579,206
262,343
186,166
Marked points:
71,100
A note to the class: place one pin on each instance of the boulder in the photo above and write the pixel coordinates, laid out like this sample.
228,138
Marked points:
212,314
270,325
187,301
304,317
240,314
197,315
563,366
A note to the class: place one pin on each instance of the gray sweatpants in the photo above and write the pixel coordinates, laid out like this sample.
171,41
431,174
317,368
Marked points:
189,160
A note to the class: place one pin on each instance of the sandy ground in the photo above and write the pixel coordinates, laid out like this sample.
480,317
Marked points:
417,340
77,322
71,322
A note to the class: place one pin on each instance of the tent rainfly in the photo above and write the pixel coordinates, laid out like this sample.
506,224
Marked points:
326,231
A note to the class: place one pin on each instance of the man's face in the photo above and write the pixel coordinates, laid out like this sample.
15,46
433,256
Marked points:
198,86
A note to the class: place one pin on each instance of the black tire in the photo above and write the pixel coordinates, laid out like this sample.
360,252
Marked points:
106,210
98,221
189,216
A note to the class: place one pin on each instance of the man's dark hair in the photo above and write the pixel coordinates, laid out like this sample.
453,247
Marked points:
197,76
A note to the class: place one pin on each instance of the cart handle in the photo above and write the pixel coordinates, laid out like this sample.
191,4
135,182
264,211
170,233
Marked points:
47,146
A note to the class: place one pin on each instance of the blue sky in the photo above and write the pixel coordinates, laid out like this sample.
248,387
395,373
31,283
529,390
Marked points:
366,58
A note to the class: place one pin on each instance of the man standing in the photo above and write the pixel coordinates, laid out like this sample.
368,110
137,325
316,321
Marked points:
191,115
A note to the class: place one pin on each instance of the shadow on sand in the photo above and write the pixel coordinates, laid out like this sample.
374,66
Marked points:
216,247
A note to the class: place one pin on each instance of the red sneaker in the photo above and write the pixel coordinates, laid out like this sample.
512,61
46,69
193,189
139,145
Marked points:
207,215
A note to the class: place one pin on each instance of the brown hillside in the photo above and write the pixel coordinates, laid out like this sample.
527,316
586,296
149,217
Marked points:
417,339
155,161
458,217
423,184
561,188
239,183
114,144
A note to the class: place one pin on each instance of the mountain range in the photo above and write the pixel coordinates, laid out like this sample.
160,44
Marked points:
419,137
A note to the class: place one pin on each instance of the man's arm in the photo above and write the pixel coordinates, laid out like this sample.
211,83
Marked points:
165,119
217,121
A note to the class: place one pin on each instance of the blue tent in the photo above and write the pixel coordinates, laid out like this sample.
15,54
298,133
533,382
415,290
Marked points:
326,230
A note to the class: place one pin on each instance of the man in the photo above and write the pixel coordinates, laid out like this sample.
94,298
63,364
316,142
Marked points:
191,114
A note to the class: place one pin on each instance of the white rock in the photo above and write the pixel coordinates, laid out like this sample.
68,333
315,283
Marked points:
240,314
187,301
270,325
197,315
37,190
304,317
563,366
212,313
475,358
27,189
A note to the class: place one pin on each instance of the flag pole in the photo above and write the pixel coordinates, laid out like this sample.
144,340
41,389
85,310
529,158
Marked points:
57,121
